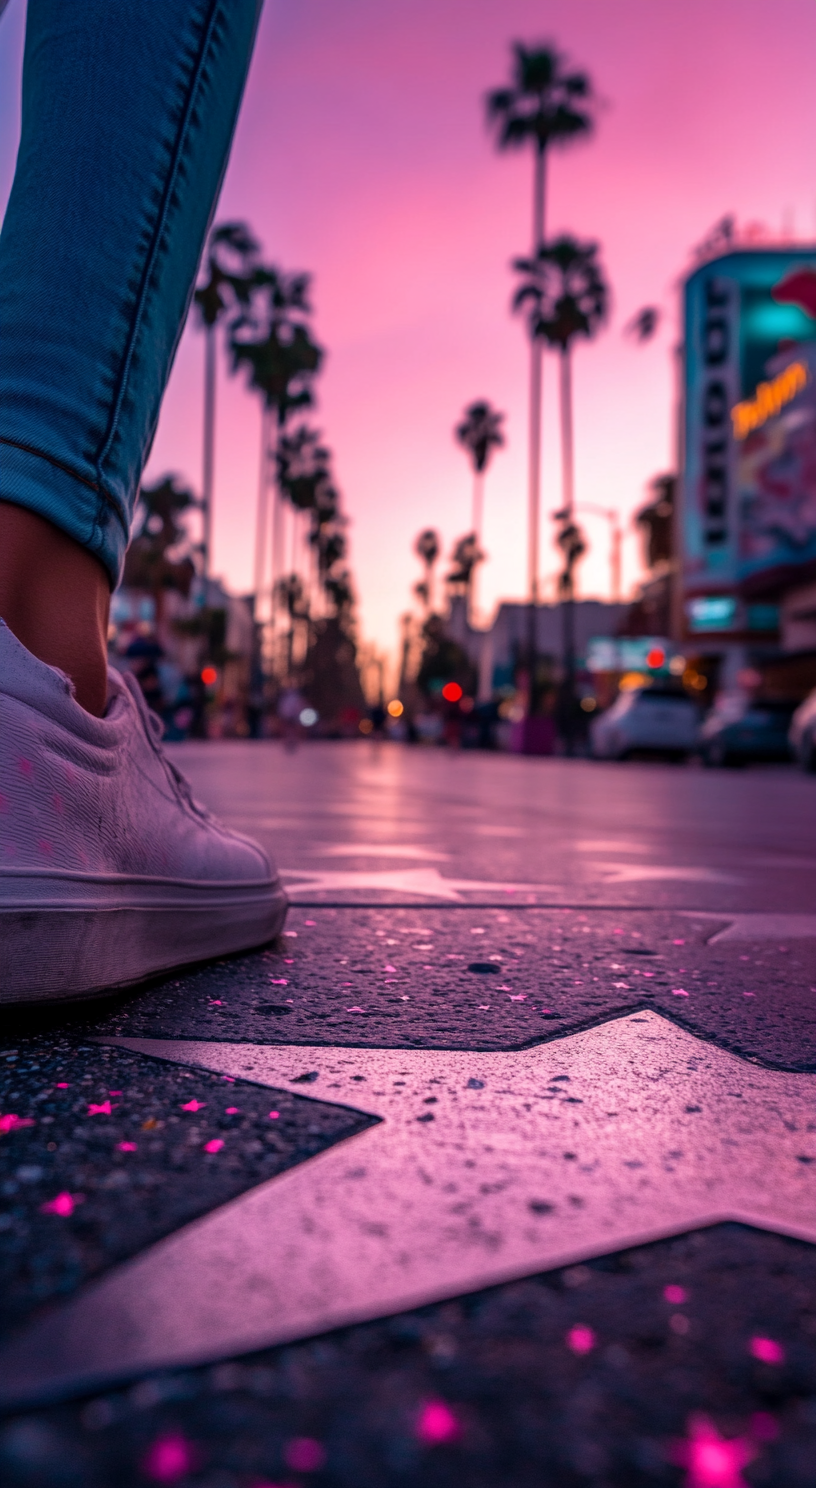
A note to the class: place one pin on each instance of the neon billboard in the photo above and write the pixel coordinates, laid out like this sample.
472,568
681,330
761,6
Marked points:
749,485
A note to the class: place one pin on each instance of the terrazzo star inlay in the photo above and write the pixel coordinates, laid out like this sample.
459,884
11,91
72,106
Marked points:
428,883
485,1166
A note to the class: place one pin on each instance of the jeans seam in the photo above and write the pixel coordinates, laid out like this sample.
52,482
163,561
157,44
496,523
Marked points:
105,498
158,232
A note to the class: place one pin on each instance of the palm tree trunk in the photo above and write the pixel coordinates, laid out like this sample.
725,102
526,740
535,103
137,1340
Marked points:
478,505
568,503
208,454
476,529
534,494
260,555
262,510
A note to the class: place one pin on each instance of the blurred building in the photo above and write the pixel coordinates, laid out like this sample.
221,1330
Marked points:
744,597
495,653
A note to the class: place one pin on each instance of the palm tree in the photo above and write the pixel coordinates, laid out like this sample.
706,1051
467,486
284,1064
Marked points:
426,547
546,104
479,432
566,295
465,558
276,346
225,290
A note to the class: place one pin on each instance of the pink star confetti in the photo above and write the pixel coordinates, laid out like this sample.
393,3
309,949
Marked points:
675,1294
194,1105
517,997
767,1350
13,1123
214,1145
304,1454
389,968
711,1460
437,1424
127,1146
216,1002
64,1204
581,1339
103,1109
170,1458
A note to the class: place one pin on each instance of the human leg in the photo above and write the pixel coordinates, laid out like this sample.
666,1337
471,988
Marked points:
128,113
109,870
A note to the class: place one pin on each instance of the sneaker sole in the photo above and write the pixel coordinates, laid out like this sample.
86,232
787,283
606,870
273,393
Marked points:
69,936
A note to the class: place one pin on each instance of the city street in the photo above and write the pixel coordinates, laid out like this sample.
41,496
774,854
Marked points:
497,1169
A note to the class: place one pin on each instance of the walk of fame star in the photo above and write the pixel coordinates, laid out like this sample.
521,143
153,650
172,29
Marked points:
483,1167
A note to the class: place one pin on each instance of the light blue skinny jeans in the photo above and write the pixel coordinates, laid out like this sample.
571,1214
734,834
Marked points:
129,107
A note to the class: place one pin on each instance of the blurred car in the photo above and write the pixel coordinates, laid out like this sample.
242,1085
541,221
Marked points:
802,733
647,720
740,729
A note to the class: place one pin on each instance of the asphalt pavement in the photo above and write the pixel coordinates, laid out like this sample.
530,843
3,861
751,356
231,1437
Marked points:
498,1168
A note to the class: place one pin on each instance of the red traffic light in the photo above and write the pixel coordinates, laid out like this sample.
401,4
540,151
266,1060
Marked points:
451,692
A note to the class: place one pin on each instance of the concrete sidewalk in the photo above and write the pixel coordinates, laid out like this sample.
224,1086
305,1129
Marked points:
498,1168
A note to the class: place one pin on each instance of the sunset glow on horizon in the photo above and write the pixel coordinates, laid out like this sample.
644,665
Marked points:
362,157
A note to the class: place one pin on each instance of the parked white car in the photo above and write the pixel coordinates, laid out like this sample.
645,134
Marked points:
647,720
802,736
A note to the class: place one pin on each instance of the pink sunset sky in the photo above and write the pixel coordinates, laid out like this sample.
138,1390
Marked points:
362,156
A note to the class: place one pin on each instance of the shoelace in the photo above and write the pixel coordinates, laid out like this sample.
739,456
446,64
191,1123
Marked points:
154,729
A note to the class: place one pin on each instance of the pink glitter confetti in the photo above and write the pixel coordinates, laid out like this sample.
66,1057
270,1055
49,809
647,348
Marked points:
749,994
355,1010
517,997
437,1424
63,1085
127,1146
675,1294
304,1454
678,942
230,1079
581,1339
278,982
13,1123
103,1109
767,1350
273,1115
389,968
170,1457
64,1204
233,1111
679,992
193,1105
712,1462
310,922
214,1145
216,1002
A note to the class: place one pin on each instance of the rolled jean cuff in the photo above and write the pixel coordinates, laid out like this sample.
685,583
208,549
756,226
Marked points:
76,506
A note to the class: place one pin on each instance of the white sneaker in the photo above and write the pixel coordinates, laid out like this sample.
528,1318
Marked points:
109,870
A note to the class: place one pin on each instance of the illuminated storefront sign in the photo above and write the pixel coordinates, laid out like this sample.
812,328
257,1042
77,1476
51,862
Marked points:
768,400
749,482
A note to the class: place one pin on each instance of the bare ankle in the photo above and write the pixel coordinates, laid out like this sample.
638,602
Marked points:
55,597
